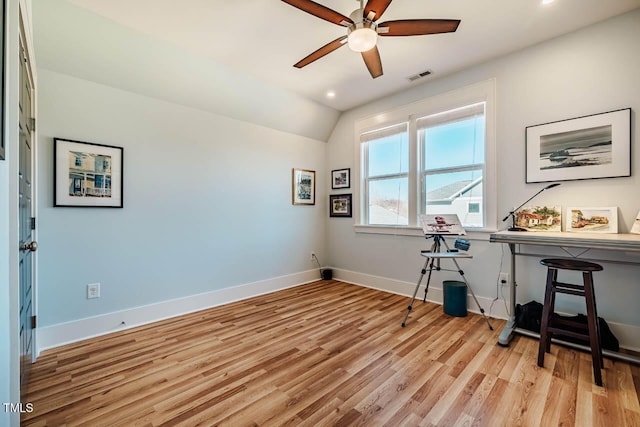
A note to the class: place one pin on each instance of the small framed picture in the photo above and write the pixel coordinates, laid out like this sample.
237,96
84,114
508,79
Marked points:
539,218
340,205
592,220
87,174
341,178
303,187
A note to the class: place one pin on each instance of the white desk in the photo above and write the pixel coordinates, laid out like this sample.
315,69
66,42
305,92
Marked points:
588,241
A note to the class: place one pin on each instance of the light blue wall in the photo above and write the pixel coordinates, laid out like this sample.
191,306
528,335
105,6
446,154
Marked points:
207,202
590,71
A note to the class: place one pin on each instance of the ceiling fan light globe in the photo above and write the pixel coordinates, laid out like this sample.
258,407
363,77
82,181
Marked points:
362,39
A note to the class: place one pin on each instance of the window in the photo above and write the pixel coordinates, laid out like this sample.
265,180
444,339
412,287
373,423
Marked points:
78,161
434,156
386,166
452,162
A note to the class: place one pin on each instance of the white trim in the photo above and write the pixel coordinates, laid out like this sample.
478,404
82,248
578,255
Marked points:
473,233
400,287
77,330
627,335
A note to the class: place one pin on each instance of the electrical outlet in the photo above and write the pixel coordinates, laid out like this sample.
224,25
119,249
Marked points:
312,257
93,290
504,278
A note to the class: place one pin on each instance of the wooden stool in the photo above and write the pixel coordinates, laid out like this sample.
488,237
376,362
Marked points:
553,325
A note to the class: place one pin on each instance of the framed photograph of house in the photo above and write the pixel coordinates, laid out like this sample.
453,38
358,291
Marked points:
340,205
86,174
592,220
303,187
539,218
596,146
341,178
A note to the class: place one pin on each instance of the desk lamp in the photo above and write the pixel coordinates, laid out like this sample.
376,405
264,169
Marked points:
512,214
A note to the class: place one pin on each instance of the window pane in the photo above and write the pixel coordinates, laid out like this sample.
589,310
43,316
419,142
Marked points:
388,155
456,193
389,201
453,144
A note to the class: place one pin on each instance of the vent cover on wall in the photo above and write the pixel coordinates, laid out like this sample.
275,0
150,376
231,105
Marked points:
419,75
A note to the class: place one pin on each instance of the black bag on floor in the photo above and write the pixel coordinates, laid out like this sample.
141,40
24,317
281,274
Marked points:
529,317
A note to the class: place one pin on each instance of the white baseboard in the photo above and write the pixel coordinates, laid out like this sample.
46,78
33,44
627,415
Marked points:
498,310
627,335
77,330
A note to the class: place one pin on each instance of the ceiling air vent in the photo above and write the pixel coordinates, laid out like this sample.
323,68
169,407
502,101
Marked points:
419,75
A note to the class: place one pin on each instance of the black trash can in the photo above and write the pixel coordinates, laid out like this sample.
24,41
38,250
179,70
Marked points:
455,298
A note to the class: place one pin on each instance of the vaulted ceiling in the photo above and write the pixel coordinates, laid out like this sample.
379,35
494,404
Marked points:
251,45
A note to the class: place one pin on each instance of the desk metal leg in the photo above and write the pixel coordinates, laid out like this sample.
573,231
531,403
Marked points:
509,328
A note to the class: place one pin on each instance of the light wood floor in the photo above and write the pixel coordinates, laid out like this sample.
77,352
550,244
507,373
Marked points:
327,353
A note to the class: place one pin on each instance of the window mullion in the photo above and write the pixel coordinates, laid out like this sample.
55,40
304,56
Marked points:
413,185
467,168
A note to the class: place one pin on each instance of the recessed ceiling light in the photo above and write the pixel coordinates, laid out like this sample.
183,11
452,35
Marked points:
547,1
331,94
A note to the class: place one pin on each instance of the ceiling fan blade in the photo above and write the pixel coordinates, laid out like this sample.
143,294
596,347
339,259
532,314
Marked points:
373,62
376,6
418,27
327,48
320,11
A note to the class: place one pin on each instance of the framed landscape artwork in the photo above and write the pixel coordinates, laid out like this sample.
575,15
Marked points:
592,220
596,146
87,174
340,205
303,187
539,218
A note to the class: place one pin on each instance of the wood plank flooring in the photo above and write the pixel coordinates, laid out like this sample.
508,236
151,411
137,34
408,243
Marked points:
326,353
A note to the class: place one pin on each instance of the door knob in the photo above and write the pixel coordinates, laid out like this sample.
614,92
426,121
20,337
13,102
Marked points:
31,246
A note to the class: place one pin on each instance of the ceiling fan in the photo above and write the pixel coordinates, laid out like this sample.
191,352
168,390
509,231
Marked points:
363,31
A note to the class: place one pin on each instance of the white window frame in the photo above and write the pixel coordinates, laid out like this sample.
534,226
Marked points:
478,92
367,178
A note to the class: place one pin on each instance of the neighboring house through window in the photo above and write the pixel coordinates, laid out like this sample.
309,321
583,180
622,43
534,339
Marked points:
433,156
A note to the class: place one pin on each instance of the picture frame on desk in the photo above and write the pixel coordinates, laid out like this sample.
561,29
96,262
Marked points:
635,228
539,218
587,147
592,220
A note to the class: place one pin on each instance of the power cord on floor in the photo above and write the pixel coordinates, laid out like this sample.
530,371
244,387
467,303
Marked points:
318,262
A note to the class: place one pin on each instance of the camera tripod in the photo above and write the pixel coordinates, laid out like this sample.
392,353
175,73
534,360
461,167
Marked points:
433,257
